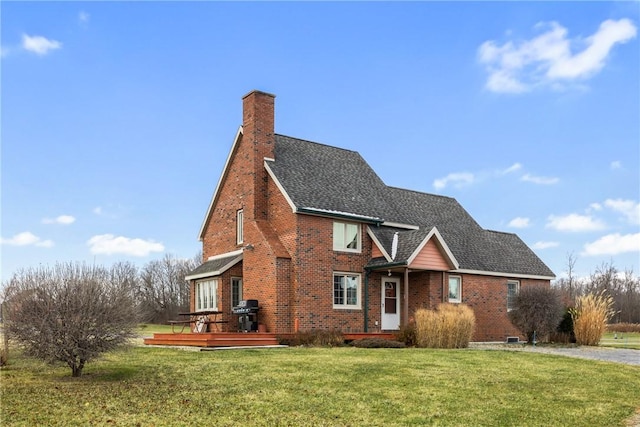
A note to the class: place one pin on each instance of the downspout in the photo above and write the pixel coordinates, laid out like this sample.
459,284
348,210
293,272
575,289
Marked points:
365,310
406,296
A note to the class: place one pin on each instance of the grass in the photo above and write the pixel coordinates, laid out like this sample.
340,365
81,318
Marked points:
624,340
321,387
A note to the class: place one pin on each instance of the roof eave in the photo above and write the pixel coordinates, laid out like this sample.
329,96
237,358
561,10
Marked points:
503,274
340,215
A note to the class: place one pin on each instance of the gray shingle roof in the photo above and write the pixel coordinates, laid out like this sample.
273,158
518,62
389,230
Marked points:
317,176
214,267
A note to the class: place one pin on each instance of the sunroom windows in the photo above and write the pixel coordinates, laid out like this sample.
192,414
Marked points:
207,295
346,237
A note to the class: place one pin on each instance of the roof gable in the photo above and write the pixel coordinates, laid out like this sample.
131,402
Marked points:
225,171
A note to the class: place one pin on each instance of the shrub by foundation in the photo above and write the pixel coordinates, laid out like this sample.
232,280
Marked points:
537,312
315,338
449,326
590,317
623,327
407,334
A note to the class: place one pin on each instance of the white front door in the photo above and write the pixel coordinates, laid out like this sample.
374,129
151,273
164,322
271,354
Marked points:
390,303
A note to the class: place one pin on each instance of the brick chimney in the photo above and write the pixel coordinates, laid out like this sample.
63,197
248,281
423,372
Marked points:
258,130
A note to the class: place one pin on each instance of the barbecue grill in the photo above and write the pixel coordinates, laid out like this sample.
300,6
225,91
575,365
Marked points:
247,312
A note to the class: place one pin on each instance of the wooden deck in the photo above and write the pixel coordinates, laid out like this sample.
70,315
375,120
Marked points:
213,339
238,339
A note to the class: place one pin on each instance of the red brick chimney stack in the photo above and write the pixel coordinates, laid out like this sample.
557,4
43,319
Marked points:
258,112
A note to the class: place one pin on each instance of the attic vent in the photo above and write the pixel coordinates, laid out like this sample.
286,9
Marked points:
394,246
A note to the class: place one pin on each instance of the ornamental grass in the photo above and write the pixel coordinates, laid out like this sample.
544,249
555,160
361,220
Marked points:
590,317
448,326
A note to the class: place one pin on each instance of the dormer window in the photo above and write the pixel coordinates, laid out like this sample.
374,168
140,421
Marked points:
346,237
239,227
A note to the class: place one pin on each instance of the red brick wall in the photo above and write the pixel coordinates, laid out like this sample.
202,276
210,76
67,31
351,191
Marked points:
487,296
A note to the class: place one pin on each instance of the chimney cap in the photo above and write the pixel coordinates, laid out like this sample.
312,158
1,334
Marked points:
259,92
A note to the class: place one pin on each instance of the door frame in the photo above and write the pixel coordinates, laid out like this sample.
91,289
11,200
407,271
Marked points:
385,325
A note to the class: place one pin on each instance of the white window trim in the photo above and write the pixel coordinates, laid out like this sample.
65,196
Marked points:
345,306
455,300
359,237
211,290
517,283
240,226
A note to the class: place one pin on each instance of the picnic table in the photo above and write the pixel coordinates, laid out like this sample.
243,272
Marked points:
199,320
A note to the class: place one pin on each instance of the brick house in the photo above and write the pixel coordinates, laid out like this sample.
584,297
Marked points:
314,234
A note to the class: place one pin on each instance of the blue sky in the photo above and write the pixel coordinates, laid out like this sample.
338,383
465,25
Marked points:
117,117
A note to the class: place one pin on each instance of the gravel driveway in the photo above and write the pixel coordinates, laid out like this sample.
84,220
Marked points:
608,354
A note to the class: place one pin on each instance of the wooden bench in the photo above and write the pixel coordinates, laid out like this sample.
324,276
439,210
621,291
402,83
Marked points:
184,323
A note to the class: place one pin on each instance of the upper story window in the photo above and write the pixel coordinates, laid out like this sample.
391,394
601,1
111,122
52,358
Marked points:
455,289
346,237
513,287
239,227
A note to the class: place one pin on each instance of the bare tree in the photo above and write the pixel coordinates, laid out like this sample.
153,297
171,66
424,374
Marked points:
71,313
162,290
537,310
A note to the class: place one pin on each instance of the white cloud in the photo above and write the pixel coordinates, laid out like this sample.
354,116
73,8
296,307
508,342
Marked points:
519,222
613,244
545,245
541,180
83,18
594,207
513,168
628,208
458,180
574,223
616,164
26,238
97,210
547,59
109,244
62,219
39,45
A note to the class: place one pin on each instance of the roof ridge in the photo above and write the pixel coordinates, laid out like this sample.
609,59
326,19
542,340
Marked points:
317,143
500,232
420,192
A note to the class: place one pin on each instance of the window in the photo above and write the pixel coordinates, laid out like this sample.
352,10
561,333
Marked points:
239,227
207,295
346,237
236,291
513,287
346,290
455,289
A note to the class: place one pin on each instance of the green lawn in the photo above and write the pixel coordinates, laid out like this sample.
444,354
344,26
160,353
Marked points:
624,340
321,386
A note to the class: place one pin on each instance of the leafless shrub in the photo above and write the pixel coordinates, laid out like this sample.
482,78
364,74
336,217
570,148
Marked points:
70,313
537,310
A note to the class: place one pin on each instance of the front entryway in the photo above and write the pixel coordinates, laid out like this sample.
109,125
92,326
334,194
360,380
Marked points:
390,304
